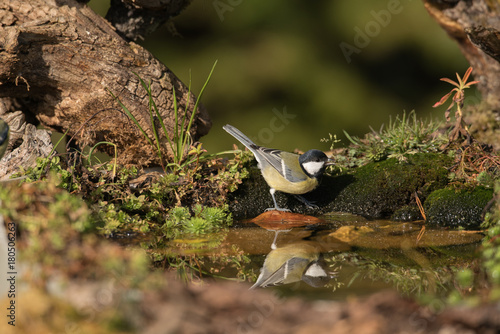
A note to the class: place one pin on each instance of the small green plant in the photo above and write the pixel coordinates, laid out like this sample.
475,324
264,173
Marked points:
491,243
403,136
460,128
203,220
181,138
332,139
45,166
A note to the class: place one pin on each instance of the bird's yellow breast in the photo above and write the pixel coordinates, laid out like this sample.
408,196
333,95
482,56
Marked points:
275,180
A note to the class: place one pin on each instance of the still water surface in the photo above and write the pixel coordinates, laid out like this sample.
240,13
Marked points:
333,257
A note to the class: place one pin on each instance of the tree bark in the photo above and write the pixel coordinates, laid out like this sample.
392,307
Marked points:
475,26
59,61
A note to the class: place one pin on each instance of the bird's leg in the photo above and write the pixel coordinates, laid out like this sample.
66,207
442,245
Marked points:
276,232
272,191
311,205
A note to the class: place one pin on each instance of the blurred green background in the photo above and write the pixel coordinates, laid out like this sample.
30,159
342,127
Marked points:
276,56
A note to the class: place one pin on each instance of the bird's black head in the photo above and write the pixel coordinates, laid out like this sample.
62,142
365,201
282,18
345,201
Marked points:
314,162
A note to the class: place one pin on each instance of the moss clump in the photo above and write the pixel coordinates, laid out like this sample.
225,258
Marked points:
205,220
56,231
491,244
378,189
124,200
457,208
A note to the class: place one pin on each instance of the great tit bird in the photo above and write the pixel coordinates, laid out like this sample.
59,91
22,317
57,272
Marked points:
4,137
292,263
286,172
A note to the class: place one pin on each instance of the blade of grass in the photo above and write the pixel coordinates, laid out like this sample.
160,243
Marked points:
176,115
153,125
350,138
162,124
197,103
402,129
181,134
58,142
160,118
152,106
183,130
178,132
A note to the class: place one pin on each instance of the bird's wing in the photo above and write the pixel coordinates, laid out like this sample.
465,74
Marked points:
293,267
270,156
291,170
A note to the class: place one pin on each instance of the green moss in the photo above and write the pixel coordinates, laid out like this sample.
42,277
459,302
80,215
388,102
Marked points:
378,189
204,220
491,244
457,208
375,190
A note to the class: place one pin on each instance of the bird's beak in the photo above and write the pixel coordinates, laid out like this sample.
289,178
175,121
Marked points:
330,162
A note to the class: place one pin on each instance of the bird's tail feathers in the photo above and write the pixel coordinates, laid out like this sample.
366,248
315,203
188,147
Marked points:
241,137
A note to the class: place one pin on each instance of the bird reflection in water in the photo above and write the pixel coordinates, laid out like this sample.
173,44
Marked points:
293,262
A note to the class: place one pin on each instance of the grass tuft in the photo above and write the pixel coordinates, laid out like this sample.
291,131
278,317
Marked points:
403,136
180,140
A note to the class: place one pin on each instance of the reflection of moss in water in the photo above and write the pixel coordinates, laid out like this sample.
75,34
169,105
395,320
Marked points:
436,281
435,256
200,257
456,207
194,245
446,272
445,267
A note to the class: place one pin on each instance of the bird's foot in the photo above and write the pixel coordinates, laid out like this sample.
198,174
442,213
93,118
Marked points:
309,204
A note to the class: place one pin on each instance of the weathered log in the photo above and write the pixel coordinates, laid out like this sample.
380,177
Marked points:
59,61
26,144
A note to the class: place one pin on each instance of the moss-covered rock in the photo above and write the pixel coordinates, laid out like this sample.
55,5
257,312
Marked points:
407,213
378,189
375,190
456,208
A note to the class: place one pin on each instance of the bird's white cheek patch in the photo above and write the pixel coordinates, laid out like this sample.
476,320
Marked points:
313,167
315,270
